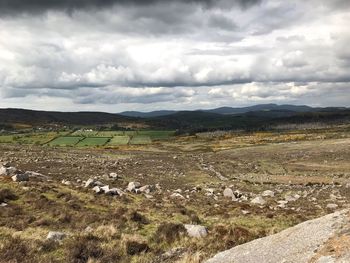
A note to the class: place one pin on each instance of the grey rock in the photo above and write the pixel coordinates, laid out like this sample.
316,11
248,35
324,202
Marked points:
196,231
97,189
258,201
114,191
114,176
132,186
268,193
228,193
8,171
291,198
298,244
89,183
20,177
332,206
177,196
56,236
105,188
88,229
145,189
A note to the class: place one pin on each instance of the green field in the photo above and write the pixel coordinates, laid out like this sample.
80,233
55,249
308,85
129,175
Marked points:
84,133
109,133
93,141
7,138
140,139
37,138
131,133
87,138
65,141
119,140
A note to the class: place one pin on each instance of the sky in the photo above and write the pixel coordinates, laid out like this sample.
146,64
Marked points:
145,55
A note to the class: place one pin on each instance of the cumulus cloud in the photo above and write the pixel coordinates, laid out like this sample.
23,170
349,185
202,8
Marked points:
173,54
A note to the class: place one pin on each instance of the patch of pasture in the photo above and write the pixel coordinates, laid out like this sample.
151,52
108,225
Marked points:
109,133
140,139
93,141
65,141
7,138
84,133
119,140
131,133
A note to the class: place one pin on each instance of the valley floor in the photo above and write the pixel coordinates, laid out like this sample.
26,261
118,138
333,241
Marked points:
237,195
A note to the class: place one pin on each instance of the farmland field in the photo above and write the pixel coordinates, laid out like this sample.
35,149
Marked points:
6,138
119,140
84,133
93,141
109,133
36,138
140,139
65,141
131,133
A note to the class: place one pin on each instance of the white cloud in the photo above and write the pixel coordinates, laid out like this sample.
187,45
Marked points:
177,55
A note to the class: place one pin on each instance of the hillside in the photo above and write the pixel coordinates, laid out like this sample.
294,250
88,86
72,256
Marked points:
227,110
32,117
183,121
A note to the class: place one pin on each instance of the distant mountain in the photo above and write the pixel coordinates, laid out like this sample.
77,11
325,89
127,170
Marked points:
147,114
225,118
226,110
262,107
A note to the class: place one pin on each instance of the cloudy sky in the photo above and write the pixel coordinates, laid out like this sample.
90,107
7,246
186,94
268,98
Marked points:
115,55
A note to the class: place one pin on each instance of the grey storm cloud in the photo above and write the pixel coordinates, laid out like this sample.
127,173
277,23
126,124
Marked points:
37,6
91,54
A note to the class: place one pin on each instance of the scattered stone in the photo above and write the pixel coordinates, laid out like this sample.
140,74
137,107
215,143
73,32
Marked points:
114,176
149,196
291,198
20,177
282,203
8,171
228,193
332,206
97,189
88,229
89,183
66,182
177,196
145,189
268,193
114,191
258,201
56,236
132,186
196,231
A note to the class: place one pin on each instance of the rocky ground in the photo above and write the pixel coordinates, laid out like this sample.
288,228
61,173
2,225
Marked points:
322,240
161,205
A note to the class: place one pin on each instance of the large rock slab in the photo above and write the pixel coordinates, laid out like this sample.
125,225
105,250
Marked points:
298,244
